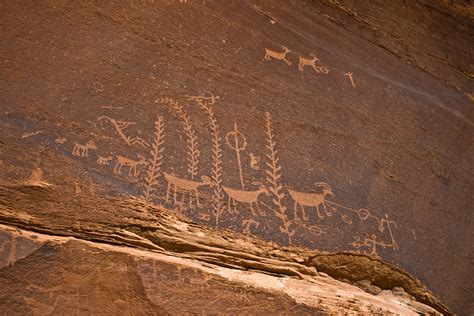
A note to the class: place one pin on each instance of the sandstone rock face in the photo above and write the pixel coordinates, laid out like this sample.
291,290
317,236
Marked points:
158,156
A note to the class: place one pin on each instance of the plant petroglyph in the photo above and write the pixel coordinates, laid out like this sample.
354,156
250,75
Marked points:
191,137
273,173
154,167
206,101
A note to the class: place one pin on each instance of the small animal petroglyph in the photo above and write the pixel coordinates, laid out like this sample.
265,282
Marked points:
312,199
26,135
133,164
82,150
101,160
278,55
60,140
248,197
185,185
351,78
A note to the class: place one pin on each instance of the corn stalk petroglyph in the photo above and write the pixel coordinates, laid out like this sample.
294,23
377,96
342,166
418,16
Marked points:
156,152
191,137
206,102
273,178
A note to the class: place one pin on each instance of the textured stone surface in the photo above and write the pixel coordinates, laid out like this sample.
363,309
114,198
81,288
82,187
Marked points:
106,102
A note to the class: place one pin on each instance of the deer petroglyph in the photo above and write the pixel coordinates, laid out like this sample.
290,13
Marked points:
185,185
133,164
248,197
82,150
278,55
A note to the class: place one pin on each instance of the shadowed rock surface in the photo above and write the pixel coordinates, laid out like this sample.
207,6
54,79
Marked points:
180,146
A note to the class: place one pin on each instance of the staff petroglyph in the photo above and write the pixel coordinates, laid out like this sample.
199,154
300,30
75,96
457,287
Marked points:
278,55
237,141
127,162
120,126
186,186
82,150
303,199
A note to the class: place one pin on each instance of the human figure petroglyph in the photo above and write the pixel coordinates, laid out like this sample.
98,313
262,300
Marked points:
254,161
185,185
351,78
278,55
127,162
120,126
101,160
303,199
371,243
82,150
248,197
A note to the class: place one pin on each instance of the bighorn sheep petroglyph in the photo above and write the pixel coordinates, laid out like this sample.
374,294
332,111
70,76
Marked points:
278,55
185,185
248,197
312,199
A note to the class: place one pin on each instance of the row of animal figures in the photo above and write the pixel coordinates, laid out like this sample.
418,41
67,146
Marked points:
302,199
190,187
303,61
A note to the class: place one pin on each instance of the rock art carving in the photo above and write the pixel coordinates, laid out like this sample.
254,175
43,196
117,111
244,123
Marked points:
26,135
82,150
156,152
351,78
237,141
254,161
303,199
371,243
247,197
131,163
120,126
101,160
311,62
59,140
273,173
186,186
205,102
278,55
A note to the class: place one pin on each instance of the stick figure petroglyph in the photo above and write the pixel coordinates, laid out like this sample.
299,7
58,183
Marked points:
185,185
351,78
82,150
278,55
133,164
312,199
248,197
120,126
